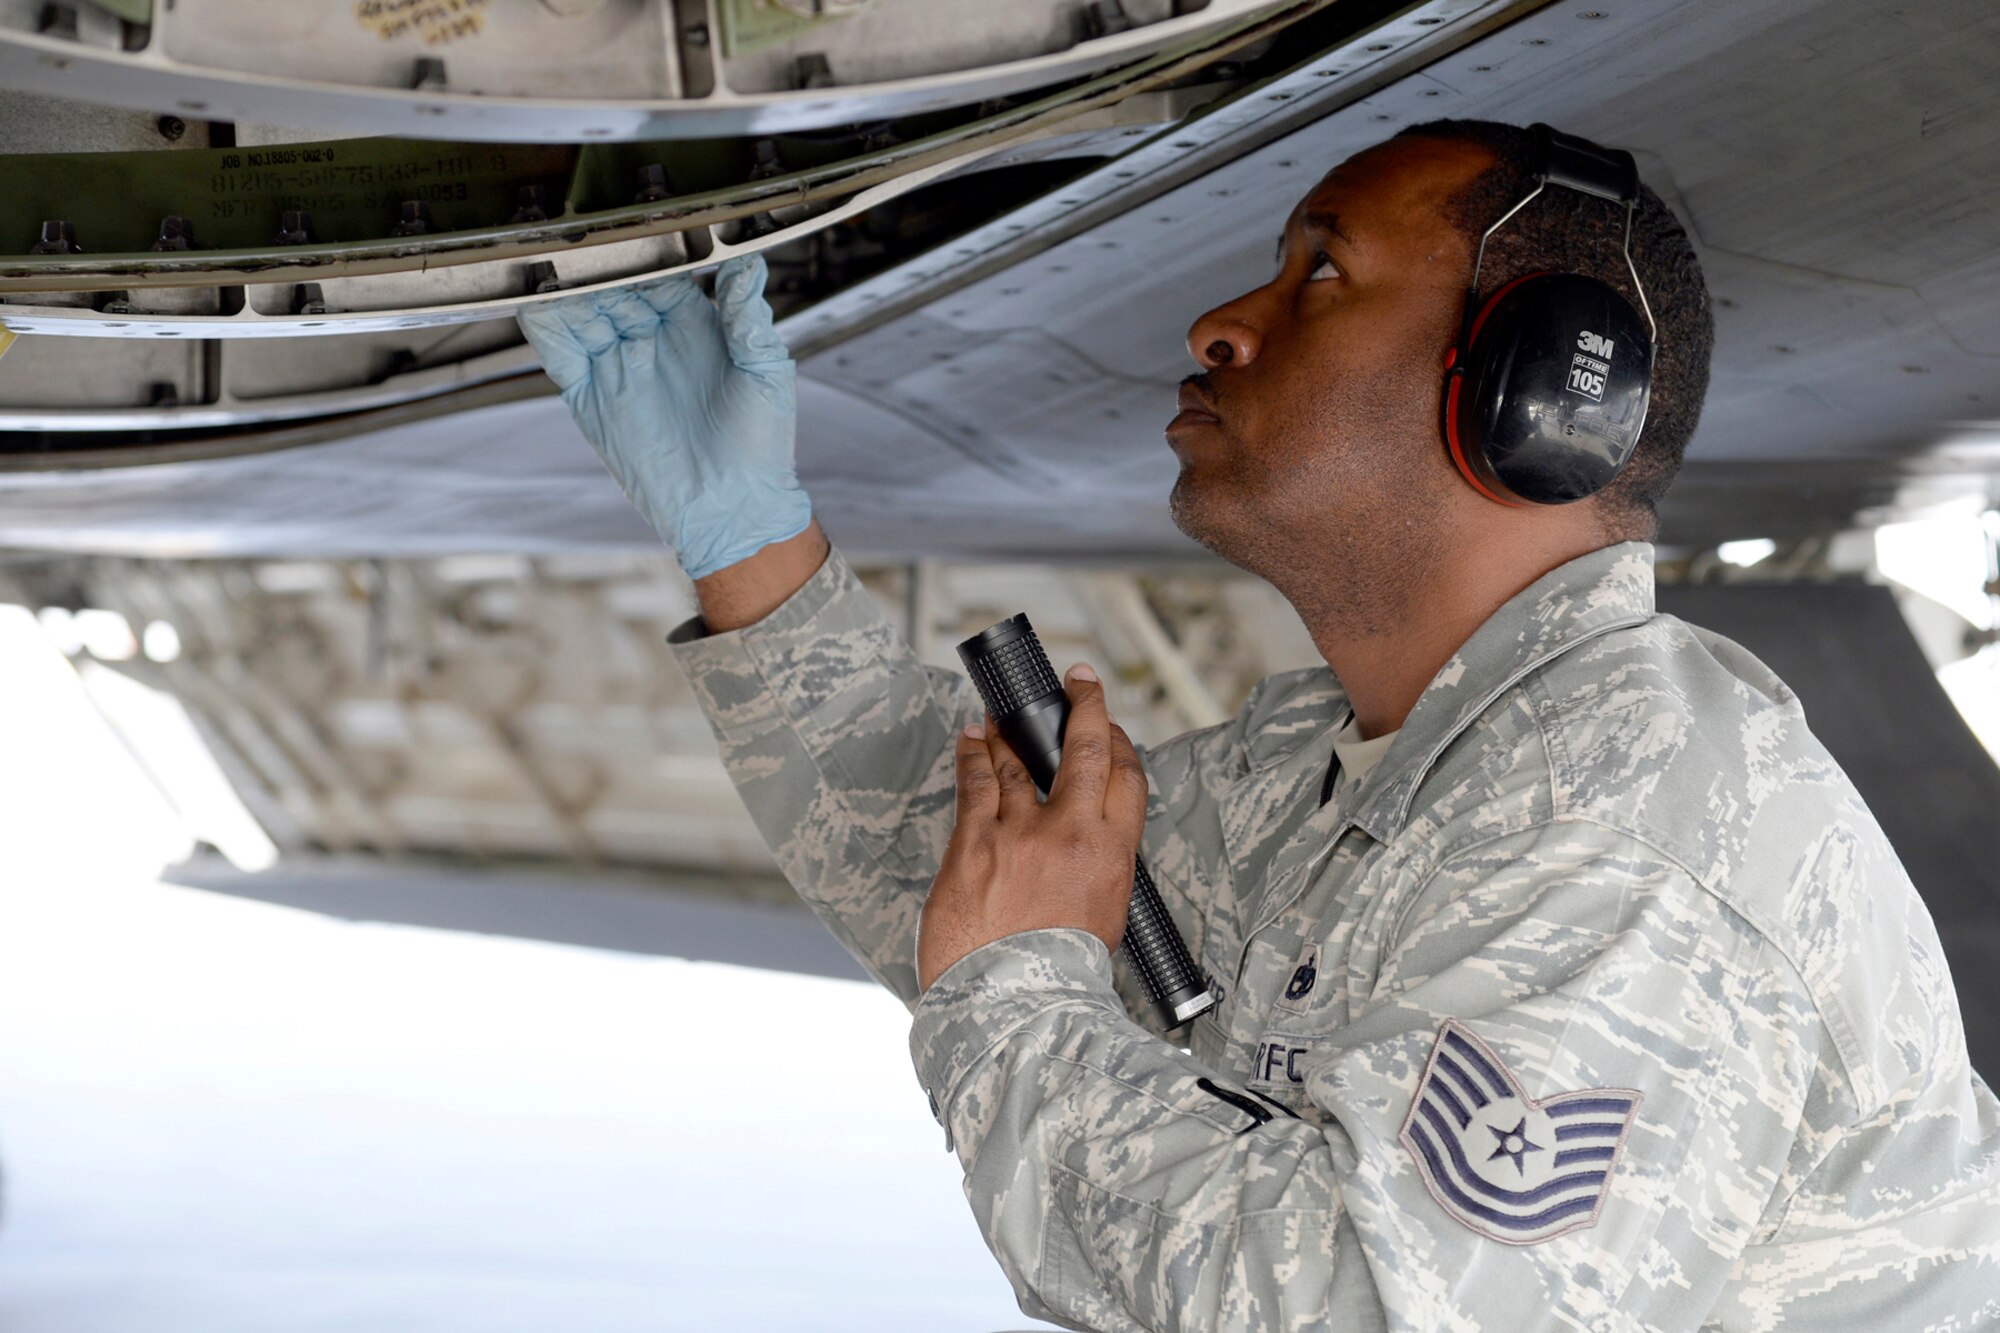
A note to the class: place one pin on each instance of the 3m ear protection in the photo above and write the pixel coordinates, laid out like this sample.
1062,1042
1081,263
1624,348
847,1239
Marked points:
1546,392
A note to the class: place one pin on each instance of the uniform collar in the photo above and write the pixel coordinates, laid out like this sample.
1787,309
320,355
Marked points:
1609,588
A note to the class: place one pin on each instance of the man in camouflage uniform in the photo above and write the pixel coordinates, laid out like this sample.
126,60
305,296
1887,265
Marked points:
1567,983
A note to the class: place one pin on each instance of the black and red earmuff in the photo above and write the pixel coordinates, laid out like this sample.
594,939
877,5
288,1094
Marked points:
1546,391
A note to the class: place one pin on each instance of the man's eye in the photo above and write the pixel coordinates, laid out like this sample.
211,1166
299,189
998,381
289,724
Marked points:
1322,268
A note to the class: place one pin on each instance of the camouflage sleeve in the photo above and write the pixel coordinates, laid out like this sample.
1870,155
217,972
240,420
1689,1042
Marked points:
1565,1106
840,741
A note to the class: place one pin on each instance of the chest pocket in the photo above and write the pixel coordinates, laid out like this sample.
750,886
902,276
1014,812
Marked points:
1298,1026
1315,967
1296,1030
1279,1072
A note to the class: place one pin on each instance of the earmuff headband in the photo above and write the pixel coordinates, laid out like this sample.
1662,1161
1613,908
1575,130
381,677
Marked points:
1574,164
1542,403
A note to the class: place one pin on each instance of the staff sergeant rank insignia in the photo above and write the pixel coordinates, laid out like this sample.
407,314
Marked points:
1512,1168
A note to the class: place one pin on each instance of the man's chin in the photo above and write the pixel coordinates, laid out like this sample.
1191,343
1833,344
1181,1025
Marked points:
1208,510
1193,507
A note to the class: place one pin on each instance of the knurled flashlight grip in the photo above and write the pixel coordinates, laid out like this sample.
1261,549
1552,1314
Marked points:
1028,705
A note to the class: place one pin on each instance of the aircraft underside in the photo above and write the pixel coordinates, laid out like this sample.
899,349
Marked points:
988,228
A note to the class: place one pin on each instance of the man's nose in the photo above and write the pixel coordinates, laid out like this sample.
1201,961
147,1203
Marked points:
1225,336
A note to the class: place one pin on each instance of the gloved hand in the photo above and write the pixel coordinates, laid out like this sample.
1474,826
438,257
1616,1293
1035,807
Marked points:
690,403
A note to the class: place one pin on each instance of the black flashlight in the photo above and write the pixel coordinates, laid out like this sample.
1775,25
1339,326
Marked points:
1029,707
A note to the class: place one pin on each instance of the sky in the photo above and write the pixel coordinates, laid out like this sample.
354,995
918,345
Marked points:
222,1115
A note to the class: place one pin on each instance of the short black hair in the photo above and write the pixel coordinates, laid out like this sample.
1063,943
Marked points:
1575,233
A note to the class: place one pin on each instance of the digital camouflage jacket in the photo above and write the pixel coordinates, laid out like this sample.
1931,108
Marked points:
1602,1003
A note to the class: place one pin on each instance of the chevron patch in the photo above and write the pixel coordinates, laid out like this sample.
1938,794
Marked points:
1512,1168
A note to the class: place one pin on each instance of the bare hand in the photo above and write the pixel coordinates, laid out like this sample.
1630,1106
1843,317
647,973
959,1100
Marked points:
1015,863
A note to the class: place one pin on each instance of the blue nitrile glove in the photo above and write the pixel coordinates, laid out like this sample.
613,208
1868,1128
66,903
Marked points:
689,402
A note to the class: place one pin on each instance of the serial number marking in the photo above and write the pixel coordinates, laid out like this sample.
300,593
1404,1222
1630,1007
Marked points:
252,183
433,22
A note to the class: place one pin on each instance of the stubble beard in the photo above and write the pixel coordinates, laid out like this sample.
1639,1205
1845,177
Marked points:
1352,549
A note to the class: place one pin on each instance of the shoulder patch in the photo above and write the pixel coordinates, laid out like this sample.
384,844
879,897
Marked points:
1513,1169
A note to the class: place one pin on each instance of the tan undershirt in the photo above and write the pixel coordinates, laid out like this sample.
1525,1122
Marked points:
1358,757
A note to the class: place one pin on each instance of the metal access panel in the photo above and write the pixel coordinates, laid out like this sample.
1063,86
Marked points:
595,51
579,70
768,44
224,240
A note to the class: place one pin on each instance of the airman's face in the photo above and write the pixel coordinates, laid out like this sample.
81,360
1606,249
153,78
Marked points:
1317,404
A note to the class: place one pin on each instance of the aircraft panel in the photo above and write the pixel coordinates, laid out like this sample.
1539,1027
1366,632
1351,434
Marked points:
1043,345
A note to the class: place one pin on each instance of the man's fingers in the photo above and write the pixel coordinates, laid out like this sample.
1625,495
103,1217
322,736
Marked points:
630,313
550,329
978,787
667,295
567,311
594,335
1018,796
1125,793
1086,751
746,316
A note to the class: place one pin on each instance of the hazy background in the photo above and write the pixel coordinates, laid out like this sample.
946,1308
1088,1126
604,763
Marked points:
219,1115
